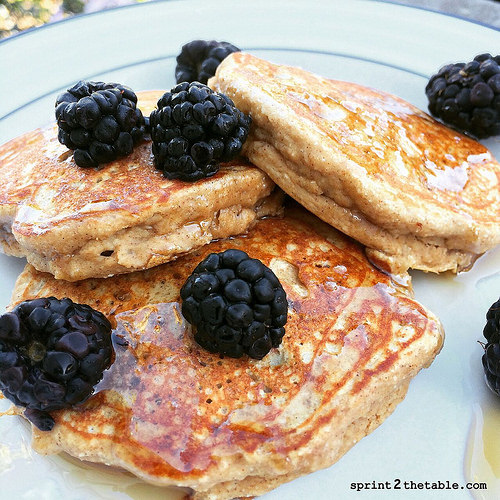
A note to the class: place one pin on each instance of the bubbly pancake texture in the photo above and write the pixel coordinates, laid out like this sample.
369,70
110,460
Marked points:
415,192
78,223
175,414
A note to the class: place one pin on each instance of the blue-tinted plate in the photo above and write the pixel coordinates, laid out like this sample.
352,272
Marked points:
439,431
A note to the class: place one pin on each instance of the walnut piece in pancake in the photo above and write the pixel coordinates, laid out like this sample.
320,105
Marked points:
78,223
174,414
416,193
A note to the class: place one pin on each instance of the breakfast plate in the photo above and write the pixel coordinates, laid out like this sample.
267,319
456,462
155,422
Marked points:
442,441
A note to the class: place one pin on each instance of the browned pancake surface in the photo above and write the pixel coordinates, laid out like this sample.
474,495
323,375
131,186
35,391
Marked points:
401,146
369,163
79,222
82,190
174,413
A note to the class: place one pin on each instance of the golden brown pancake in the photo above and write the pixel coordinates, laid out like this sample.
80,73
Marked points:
78,223
415,192
174,414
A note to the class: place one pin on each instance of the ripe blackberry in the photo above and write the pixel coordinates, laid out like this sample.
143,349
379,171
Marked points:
199,59
99,121
52,353
237,305
195,128
491,356
466,96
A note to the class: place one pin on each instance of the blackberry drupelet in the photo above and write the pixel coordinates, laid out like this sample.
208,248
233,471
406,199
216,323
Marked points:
52,353
199,59
491,356
99,121
195,128
466,96
236,304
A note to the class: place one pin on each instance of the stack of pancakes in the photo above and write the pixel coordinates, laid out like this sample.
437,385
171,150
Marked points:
123,239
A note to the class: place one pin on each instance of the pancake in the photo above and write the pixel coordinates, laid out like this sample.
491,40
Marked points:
78,223
174,414
416,193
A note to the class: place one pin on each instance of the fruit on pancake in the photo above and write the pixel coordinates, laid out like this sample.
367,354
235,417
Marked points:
467,95
173,413
236,304
52,353
99,121
83,222
491,356
194,129
199,59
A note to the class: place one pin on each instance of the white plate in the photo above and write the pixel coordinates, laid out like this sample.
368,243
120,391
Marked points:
437,433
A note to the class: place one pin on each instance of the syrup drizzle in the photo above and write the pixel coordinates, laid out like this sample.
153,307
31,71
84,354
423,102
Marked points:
106,481
482,460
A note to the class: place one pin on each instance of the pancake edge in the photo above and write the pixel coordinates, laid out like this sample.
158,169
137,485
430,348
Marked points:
145,242
393,253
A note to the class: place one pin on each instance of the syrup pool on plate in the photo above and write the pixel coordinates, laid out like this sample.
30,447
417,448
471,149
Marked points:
482,460
68,474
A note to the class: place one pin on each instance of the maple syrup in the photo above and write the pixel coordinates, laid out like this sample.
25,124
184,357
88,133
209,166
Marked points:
482,461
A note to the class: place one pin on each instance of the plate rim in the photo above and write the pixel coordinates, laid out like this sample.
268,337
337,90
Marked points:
58,22
249,49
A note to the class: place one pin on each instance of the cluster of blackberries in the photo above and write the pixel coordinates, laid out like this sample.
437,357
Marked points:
236,304
52,353
199,59
99,121
491,356
466,96
195,128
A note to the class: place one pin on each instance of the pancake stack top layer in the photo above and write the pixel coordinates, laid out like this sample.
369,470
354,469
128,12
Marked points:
78,223
415,192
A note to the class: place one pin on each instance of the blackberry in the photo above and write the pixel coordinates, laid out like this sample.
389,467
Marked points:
52,353
491,356
466,96
99,121
199,59
195,128
236,304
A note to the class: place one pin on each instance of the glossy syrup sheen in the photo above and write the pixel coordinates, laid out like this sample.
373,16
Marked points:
43,187
397,144
168,409
482,459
